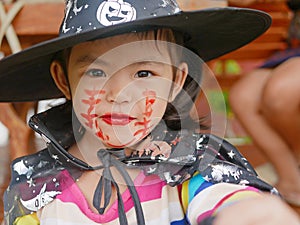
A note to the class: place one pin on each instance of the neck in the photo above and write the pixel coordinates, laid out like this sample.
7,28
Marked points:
86,149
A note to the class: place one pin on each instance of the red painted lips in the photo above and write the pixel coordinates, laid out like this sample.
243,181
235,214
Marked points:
117,119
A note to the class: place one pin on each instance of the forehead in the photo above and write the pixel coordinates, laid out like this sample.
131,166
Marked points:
133,47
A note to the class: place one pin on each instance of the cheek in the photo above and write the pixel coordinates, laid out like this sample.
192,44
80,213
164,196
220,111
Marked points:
87,97
159,107
162,88
157,98
152,110
85,104
158,110
152,99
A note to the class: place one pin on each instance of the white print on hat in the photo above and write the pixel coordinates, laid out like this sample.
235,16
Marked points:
76,10
112,12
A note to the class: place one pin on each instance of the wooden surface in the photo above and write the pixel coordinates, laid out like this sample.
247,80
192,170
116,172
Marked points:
38,19
35,23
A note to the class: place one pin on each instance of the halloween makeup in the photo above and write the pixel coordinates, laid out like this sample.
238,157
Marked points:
91,101
120,87
139,126
149,101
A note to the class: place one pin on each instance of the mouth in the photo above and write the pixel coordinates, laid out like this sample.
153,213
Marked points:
118,119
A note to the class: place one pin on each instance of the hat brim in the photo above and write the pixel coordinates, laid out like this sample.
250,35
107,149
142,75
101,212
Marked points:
25,76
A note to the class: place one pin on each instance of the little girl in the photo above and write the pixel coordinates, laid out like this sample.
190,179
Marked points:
124,149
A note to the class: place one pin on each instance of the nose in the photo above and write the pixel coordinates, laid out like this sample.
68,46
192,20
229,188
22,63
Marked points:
117,90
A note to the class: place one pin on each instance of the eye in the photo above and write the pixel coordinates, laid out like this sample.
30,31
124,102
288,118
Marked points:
95,73
143,73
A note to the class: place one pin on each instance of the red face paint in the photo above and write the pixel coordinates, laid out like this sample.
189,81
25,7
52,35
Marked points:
150,99
92,101
99,132
175,141
145,128
121,146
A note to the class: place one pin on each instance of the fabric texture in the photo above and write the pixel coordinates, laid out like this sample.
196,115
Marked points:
203,174
280,57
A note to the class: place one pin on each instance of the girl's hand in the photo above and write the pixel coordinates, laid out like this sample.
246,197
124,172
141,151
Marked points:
158,148
153,148
265,210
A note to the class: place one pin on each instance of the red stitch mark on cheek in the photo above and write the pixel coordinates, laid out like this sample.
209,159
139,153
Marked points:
145,128
91,101
99,132
150,99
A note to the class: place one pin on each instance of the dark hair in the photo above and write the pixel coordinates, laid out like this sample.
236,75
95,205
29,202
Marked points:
177,115
293,4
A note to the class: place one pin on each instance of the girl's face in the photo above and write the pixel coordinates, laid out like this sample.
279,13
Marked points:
120,87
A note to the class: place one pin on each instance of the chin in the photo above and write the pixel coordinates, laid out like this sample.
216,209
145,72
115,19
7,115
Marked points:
118,144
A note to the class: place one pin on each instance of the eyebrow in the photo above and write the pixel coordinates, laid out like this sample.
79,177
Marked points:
88,59
147,62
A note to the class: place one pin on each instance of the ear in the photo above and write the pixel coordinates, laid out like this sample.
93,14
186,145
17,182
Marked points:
180,77
59,77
